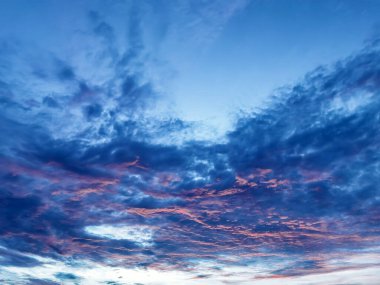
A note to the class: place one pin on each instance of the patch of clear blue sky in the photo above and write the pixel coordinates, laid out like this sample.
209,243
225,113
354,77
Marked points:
209,58
264,46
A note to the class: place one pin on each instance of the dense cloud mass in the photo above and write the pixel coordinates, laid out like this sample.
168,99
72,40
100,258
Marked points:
91,177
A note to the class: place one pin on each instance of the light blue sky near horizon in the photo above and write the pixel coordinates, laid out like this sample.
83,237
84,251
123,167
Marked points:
208,59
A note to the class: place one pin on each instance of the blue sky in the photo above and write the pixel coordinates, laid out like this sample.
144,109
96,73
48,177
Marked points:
189,142
207,59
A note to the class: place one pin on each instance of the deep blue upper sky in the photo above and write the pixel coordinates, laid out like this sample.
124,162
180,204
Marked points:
189,142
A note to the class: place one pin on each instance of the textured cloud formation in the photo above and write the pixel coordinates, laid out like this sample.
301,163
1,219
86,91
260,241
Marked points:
92,182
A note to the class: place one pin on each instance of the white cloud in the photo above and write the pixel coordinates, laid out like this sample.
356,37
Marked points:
91,273
141,235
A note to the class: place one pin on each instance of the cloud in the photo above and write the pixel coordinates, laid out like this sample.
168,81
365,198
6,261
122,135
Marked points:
140,235
90,182
201,23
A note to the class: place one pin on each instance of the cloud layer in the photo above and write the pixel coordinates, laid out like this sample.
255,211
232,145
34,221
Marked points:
94,177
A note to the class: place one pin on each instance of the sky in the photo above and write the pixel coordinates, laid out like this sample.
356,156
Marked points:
189,142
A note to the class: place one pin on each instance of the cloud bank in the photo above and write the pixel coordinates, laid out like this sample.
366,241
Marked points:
94,179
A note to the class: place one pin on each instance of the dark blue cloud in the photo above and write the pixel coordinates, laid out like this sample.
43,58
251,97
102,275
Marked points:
326,127
66,276
9,258
41,282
